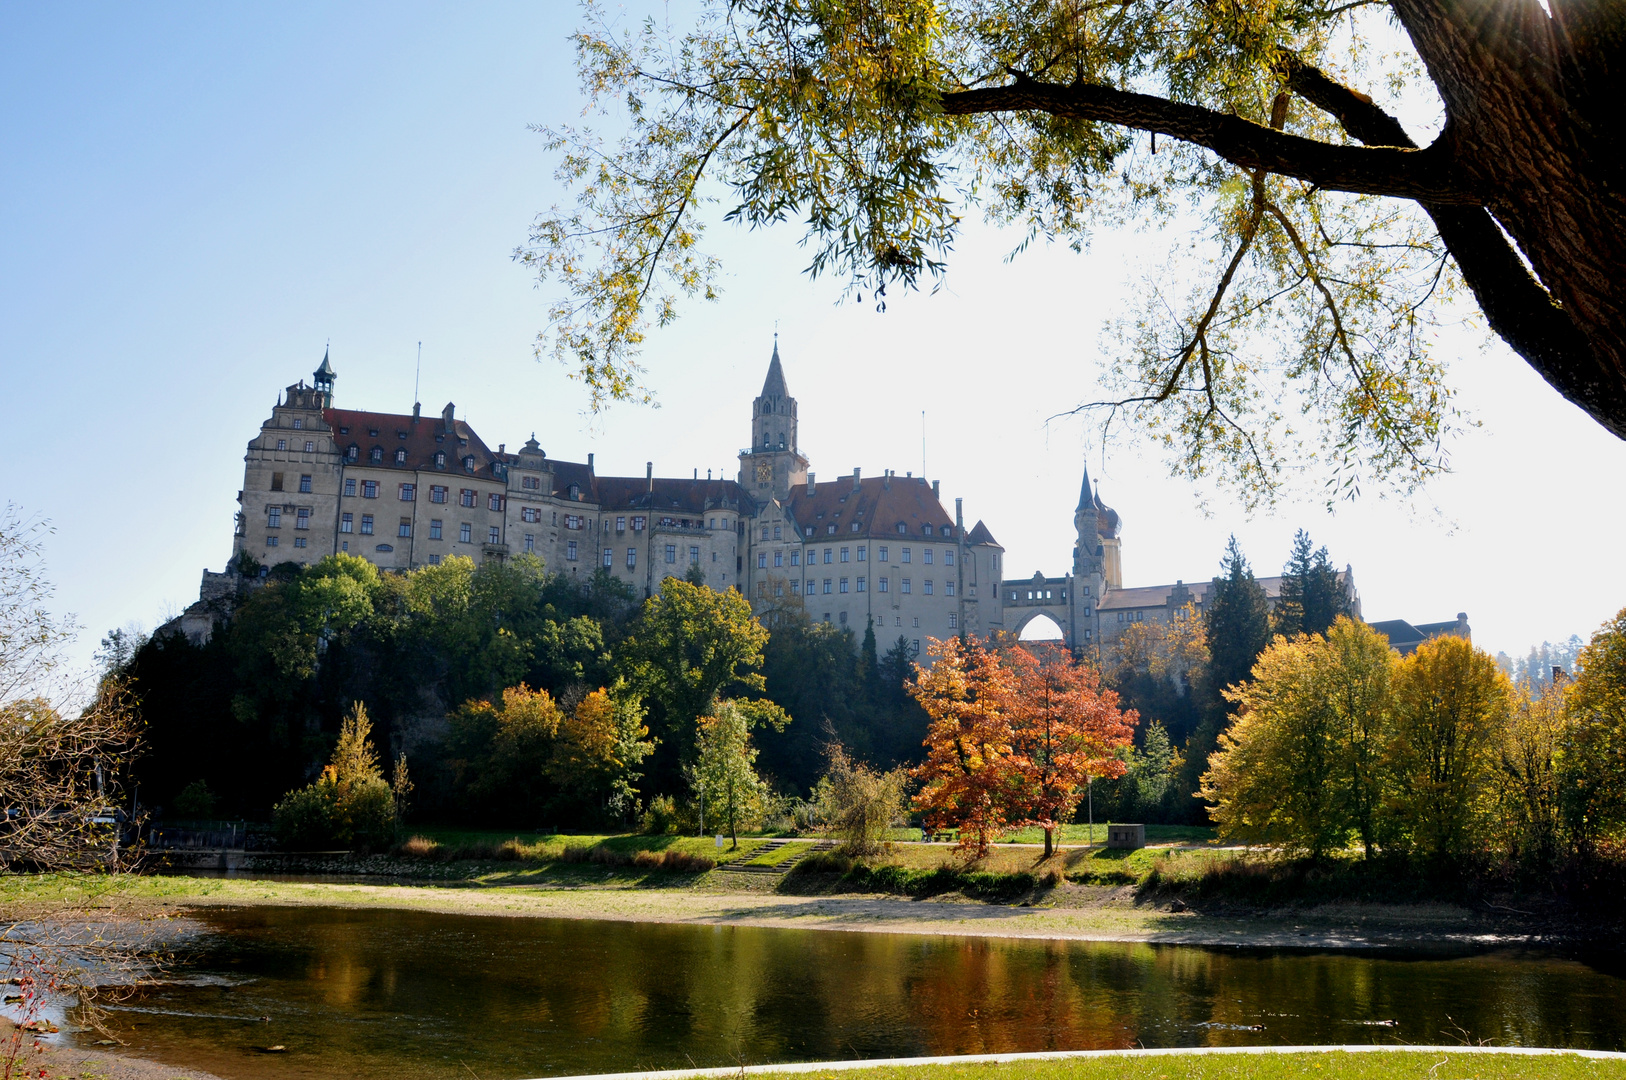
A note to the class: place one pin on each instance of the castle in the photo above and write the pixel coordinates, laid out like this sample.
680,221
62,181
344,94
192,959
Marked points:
404,491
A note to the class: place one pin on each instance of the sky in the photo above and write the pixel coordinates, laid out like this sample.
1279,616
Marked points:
197,200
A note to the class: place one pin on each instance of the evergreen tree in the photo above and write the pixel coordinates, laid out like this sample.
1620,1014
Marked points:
1237,621
1324,598
1289,617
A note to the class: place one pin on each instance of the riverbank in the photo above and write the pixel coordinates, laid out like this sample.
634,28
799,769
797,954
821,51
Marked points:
1066,911
40,1058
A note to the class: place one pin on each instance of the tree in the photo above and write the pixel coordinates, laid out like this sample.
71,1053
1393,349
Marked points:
963,781
1530,793
1325,597
1301,764
724,772
1159,667
1451,708
858,803
1065,729
690,645
1237,619
1335,241
350,804
1594,768
1288,617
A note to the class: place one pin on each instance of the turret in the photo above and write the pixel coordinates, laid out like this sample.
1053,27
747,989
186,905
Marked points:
773,463
322,379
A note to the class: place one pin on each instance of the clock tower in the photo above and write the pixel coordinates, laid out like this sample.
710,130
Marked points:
773,463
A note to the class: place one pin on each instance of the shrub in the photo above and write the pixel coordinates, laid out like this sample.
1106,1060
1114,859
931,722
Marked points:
350,806
420,847
661,818
195,802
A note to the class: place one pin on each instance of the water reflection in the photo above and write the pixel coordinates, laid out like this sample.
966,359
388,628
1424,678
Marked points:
406,994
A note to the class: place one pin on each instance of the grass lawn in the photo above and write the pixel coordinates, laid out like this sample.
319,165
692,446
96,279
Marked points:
1323,1065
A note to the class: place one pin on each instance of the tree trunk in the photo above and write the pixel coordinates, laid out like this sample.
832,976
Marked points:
1049,841
1535,124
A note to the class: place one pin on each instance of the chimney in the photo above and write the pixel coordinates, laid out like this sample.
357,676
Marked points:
935,491
649,475
909,474
810,484
446,417
502,448
959,517
589,462
417,408
886,480
858,476
697,472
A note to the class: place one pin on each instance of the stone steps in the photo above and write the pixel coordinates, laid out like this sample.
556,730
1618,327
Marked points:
781,867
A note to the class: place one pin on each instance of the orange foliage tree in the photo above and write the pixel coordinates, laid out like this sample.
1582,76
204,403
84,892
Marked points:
1065,729
1014,739
967,742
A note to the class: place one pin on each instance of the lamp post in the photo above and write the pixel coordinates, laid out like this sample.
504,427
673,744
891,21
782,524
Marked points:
1089,798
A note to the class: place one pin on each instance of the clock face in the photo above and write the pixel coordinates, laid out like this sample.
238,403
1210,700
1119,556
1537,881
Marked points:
764,471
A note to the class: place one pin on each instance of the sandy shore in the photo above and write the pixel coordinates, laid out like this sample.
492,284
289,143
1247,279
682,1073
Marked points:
73,1063
1070,912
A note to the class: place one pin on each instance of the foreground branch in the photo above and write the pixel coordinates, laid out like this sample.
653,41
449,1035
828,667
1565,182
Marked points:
1426,175
1519,310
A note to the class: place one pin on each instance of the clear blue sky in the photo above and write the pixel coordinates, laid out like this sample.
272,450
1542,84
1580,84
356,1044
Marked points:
195,200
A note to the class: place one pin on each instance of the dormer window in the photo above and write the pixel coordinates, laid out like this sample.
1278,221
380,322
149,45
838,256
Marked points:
376,455
575,493
400,434
440,436
400,456
373,432
440,459
926,530
902,528
344,431
468,463
353,453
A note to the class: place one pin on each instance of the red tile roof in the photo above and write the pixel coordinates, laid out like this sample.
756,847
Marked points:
420,436
879,504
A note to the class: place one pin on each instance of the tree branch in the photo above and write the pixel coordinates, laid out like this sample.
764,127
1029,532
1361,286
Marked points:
1519,310
1407,173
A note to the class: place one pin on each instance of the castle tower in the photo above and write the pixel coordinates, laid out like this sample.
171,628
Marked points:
322,379
773,464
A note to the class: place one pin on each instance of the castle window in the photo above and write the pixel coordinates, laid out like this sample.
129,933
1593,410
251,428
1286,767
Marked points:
437,493
298,423
434,529
310,447
855,526
844,558
530,514
827,586
575,493
831,528
465,533
273,517
270,541
276,481
609,557
828,553
493,535
632,558
369,489
344,431
948,556
906,554
409,492
400,434
570,550
347,523
376,454
440,459
299,541
925,530
926,556
638,524
915,646
694,556
954,621
353,453
1120,616
386,547
765,532
1086,590
400,456
779,587
1086,613
883,584
796,558
671,553
366,524
620,524
468,463
762,589
531,483
434,560
776,535
880,553
466,496
282,444
902,528
948,588
843,584
926,586
796,587
494,502
762,560
810,530
372,433
302,518
405,528
863,552
1013,598
861,584
906,590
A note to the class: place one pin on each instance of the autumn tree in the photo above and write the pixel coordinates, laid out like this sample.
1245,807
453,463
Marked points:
964,781
1065,728
1333,242
350,805
1595,769
1301,766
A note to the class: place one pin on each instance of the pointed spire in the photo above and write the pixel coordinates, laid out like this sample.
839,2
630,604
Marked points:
774,384
1085,496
